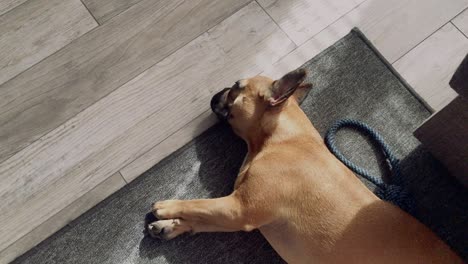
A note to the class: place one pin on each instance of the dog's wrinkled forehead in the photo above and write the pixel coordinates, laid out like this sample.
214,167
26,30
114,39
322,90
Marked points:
255,85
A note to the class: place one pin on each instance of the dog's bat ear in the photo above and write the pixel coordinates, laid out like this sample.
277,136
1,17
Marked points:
302,91
283,88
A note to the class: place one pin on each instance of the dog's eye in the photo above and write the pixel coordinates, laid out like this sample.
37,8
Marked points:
233,94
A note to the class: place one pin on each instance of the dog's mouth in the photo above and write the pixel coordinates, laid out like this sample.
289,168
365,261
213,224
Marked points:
219,104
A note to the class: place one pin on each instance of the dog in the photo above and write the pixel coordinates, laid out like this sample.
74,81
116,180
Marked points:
309,206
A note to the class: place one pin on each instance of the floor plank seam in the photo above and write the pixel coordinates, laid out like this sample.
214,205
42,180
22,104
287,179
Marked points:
333,22
12,244
50,130
419,43
160,142
142,71
14,8
459,30
325,28
13,77
91,13
276,23
121,176
459,13
46,133
428,36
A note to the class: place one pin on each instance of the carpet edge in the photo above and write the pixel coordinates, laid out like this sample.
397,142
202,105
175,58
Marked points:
356,31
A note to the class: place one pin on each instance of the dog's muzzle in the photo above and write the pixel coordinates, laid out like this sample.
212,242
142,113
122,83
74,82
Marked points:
219,104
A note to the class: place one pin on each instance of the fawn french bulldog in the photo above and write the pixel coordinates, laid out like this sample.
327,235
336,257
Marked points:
308,205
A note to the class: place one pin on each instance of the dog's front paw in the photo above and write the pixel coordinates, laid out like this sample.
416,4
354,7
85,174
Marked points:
167,229
160,229
169,209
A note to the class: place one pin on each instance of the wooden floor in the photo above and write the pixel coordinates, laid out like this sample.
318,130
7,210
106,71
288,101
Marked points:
95,92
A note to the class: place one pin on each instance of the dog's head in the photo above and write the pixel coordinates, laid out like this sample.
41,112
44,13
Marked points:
245,103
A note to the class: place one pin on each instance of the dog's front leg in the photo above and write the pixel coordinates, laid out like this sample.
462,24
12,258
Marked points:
225,214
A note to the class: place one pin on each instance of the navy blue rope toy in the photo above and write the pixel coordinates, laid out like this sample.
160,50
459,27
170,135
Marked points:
392,192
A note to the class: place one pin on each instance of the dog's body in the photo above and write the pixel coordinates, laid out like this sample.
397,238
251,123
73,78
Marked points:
308,205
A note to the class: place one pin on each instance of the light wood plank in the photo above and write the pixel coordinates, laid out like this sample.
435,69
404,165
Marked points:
461,22
51,173
407,22
63,218
429,67
7,5
309,49
36,29
103,10
59,87
293,60
168,146
302,19
393,26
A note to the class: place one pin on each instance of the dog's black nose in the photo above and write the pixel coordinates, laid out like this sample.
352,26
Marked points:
218,104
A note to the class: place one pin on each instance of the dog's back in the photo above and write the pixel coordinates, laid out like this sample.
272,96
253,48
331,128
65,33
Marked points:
324,213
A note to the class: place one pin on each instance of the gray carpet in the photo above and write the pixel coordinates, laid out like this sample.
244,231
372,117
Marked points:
350,80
